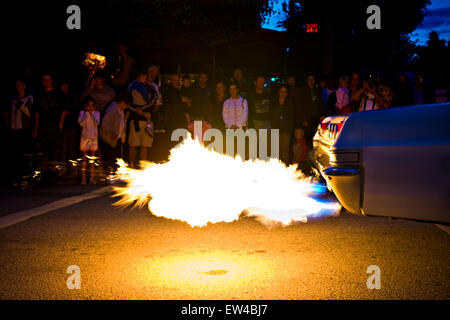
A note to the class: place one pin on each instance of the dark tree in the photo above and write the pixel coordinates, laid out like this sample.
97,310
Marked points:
433,58
40,38
344,41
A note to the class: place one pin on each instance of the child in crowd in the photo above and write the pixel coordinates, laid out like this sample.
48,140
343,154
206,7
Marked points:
300,152
299,148
89,119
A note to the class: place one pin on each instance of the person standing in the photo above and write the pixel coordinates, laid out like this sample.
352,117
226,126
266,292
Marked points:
259,105
18,121
355,91
157,100
300,152
311,104
144,97
201,100
156,115
294,92
330,97
46,117
89,119
68,126
218,100
176,111
187,94
403,92
299,148
324,85
283,113
113,131
293,89
235,110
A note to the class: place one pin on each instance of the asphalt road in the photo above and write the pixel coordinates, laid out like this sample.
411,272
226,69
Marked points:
130,254
13,200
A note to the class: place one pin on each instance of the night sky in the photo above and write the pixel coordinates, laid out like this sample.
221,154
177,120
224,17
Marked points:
437,18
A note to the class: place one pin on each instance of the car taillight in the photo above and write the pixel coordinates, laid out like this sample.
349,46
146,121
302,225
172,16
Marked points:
333,129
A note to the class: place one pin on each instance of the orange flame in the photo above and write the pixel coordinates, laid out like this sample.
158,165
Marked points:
200,186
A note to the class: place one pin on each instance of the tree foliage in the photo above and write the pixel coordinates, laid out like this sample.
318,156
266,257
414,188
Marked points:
199,21
344,24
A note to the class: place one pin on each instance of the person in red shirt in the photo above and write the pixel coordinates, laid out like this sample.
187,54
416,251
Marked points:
300,153
300,149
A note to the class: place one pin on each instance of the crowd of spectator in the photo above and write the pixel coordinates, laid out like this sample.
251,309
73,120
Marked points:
115,118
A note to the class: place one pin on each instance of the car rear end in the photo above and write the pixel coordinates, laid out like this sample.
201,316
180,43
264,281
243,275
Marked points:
340,162
393,162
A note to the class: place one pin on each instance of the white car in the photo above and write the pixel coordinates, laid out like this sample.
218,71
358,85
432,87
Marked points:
393,162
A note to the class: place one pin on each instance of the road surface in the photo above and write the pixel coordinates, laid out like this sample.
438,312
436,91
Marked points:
131,254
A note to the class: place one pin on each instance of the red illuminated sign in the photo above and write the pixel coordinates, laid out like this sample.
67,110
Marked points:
312,28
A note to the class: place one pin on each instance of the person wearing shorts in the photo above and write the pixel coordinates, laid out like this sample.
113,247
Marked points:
139,137
144,98
89,119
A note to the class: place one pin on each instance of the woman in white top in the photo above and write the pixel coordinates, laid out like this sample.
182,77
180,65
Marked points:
235,110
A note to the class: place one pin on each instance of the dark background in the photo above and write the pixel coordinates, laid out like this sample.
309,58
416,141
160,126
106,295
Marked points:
216,36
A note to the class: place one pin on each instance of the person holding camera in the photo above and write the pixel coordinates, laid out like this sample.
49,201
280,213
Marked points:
371,99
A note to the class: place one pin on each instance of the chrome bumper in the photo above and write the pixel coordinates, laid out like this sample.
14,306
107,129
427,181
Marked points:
346,185
342,171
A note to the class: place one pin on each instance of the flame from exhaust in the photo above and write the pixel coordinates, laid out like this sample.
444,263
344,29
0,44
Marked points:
198,186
